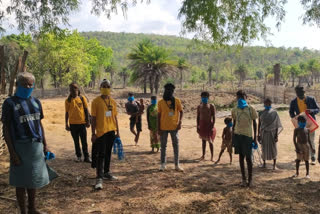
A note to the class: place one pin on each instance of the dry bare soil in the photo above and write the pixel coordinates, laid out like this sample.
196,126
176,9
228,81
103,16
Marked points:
141,188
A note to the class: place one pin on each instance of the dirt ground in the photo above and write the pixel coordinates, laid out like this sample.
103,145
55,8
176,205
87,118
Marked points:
141,188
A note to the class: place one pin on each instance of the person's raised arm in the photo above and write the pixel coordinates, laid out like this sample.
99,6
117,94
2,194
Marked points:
315,107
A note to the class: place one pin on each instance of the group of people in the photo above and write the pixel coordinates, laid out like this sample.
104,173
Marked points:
25,138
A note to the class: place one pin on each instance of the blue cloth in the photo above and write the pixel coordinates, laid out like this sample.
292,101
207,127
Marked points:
33,172
49,156
242,103
230,124
312,105
254,145
153,102
24,117
131,99
117,148
267,107
302,125
23,92
204,100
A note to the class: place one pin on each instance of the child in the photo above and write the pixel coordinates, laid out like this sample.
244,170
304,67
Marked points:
152,119
301,139
226,139
205,123
135,110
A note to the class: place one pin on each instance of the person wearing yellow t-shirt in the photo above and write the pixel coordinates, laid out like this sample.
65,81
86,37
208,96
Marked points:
307,104
244,118
169,122
104,131
77,116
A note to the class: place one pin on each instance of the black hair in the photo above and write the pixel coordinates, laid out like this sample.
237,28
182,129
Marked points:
153,97
205,94
299,88
71,85
169,86
130,94
227,120
302,119
241,94
268,100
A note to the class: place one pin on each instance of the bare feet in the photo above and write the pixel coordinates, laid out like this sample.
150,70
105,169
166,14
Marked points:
217,161
202,158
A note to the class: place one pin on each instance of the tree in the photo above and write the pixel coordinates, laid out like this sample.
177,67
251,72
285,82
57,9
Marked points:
241,71
124,74
314,67
210,69
182,66
222,21
150,62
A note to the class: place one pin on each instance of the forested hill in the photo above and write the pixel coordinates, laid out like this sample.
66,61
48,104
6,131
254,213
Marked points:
256,59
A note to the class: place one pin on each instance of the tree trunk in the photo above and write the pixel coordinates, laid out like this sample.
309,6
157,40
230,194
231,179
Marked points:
145,85
292,78
151,83
23,62
2,71
181,77
124,81
210,77
13,75
157,83
111,76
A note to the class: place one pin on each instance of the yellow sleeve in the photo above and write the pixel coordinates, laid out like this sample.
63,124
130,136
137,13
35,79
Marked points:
254,114
159,107
115,112
67,105
85,102
93,109
179,105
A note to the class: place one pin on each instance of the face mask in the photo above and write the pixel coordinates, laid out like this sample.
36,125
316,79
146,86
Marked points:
204,100
24,93
153,102
105,91
302,125
230,124
130,99
300,95
267,107
242,103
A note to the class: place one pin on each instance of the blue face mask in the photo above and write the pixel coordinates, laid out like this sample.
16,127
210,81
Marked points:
131,99
267,107
242,103
302,125
230,124
204,100
153,102
23,93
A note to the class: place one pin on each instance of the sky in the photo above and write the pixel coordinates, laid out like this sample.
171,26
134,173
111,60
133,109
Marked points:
160,17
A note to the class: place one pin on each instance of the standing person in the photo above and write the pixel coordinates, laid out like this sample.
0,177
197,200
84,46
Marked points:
269,128
226,139
244,117
301,139
169,122
77,115
152,119
104,131
24,135
307,104
134,109
206,116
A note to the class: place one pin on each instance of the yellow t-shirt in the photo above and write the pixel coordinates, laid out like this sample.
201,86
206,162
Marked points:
75,110
302,105
243,118
105,116
169,117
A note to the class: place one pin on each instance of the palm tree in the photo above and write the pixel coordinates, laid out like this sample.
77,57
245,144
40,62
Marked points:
182,66
150,63
242,72
124,74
